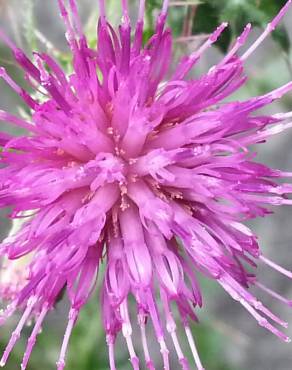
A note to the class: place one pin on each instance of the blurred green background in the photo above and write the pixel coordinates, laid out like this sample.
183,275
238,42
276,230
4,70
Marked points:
227,338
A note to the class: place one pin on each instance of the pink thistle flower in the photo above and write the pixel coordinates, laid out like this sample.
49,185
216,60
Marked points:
154,177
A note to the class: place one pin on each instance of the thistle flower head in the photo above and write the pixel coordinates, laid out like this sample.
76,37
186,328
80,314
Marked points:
146,170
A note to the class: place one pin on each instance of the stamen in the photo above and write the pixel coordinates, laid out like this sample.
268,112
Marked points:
264,322
141,10
193,348
182,69
262,135
48,83
141,321
4,116
274,294
238,44
73,315
282,116
164,352
211,40
16,334
259,306
57,70
125,8
76,17
127,333
239,294
70,34
158,331
32,339
171,328
276,267
111,350
182,359
44,75
278,93
138,38
251,306
165,7
102,12
133,357
270,28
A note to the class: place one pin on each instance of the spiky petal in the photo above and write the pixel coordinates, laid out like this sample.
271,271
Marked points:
153,176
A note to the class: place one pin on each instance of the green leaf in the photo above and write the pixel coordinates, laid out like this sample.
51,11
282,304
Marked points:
207,20
258,12
175,19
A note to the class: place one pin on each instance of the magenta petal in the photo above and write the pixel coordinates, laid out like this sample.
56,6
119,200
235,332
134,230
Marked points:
156,179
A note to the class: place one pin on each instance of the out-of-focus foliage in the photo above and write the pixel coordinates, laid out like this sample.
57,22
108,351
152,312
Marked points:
240,12
210,13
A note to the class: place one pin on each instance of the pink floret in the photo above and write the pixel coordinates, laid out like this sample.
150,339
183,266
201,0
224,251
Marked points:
150,172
